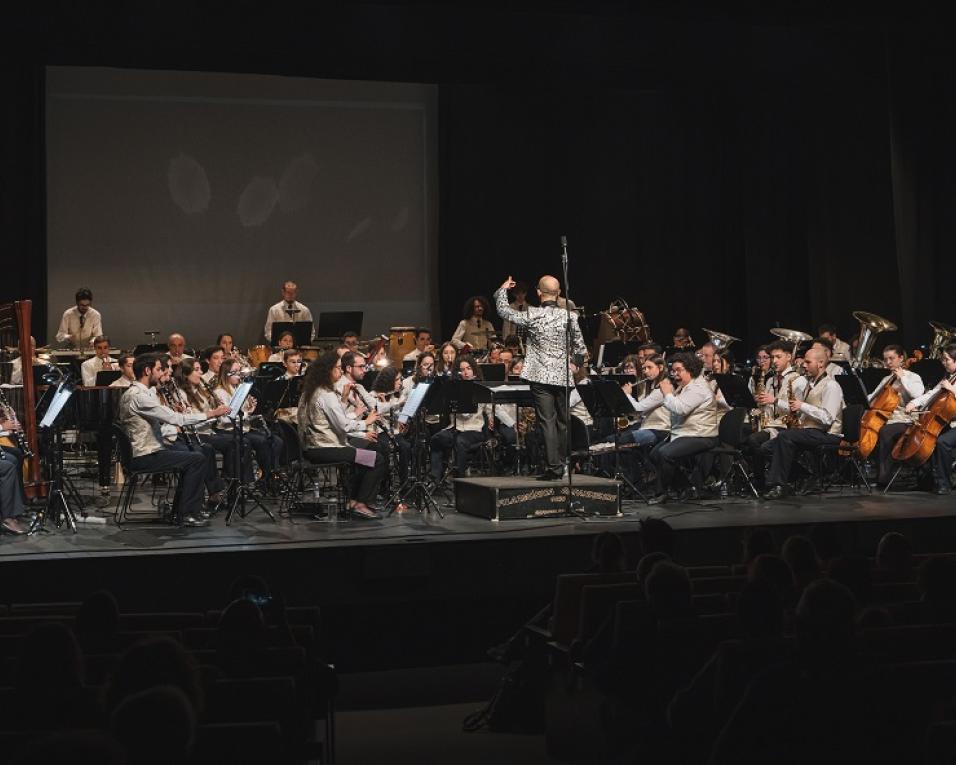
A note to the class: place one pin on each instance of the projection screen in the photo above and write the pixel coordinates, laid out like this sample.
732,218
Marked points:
184,200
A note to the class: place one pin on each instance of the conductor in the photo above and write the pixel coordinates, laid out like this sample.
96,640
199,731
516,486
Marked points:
546,364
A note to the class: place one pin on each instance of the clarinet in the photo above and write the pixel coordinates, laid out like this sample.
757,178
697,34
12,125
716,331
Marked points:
21,438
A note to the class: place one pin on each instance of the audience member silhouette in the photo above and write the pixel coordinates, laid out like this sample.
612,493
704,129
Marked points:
151,663
800,554
894,558
156,726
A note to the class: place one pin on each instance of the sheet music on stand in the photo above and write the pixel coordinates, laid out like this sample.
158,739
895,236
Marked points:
239,398
415,400
63,393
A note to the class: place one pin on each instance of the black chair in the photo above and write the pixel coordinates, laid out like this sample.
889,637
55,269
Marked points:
335,475
131,478
731,435
847,455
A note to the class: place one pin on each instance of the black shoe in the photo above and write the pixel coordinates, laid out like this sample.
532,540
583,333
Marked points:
657,499
812,486
943,490
14,526
777,492
193,521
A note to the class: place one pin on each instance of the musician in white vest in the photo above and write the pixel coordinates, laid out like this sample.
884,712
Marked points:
908,386
818,403
101,362
942,459
841,349
695,420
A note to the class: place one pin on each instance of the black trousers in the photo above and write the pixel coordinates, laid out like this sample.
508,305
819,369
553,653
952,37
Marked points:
104,455
884,450
942,459
667,454
194,467
462,441
211,479
788,444
551,412
759,446
11,494
224,442
365,481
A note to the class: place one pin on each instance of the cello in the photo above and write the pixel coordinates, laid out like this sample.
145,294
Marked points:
873,419
917,444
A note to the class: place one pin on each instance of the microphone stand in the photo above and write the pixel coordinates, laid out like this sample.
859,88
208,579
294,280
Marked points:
568,335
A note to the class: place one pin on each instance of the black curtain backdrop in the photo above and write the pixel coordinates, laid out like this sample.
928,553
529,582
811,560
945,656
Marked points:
731,173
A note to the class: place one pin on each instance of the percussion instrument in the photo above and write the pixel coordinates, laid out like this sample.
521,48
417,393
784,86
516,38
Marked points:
310,352
401,341
259,354
627,323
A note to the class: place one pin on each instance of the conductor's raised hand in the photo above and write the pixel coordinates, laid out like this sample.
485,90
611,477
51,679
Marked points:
508,283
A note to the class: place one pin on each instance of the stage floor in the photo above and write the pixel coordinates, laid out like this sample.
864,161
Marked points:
258,532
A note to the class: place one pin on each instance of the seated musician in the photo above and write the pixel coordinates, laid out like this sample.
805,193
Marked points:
447,361
141,416
212,358
655,424
514,344
12,506
505,356
773,405
125,364
467,432
230,351
517,366
706,354
841,349
176,344
631,365
387,390
423,342
682,339
424,370
694,421
101,362
822,344
350,340
329,435
286,341
195,396
942,459
762,370
288,410
81,324
520,303
356,400
908,386
818,403
16,367
648,351
266,444
473,330
291,363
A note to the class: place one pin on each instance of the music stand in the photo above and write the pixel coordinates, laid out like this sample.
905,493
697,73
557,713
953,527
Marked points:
415,489
337,323
237,416
735,391
613,353
62,490
301,332
106,377
493,372
853,390
605,398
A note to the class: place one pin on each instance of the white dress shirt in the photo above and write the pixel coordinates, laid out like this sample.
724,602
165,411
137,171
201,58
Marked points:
577,408
279,312
922,401
80,328
909,387
91,367
841,350
822,403
121,382
651,405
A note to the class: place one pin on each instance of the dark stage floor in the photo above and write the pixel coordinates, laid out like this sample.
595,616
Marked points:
257,532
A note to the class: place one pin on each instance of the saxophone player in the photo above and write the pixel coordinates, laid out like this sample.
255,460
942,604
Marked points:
773,404
817,402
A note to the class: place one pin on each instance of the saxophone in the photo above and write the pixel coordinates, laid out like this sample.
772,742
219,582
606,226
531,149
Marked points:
791,419
759,416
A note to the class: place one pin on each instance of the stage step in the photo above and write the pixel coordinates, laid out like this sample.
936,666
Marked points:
510,498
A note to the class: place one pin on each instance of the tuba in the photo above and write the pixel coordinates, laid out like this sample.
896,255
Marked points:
720,339
871,325
943,334
791,336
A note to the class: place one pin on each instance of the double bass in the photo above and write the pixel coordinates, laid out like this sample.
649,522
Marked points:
917,444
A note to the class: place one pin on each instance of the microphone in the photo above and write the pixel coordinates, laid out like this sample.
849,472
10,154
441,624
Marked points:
564,250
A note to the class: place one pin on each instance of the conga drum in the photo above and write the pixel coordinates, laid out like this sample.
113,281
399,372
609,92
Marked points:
258,354
401,341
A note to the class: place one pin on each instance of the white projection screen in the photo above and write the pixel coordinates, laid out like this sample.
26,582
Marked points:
184,200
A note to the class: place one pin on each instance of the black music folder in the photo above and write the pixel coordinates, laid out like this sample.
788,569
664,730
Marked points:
301,332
